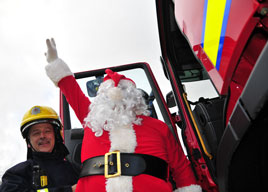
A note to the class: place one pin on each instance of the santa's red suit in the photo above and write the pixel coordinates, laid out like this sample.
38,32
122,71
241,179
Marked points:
151,137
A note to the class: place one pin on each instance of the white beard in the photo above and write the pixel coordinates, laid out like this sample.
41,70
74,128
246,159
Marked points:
115,107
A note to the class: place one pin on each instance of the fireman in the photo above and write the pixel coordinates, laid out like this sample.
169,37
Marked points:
46,168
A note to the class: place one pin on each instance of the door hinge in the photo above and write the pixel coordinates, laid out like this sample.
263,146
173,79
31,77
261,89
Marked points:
176,119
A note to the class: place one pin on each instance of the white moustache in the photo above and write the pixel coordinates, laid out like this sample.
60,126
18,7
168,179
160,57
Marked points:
115,94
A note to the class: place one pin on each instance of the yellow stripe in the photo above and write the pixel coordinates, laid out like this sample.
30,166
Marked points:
214,19
195,126
43,190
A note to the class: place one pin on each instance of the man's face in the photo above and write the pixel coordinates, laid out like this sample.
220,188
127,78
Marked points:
42,137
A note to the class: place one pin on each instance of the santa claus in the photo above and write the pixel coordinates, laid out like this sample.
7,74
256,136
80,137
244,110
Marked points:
124,149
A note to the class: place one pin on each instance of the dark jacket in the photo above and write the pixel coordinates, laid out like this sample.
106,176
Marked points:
60,174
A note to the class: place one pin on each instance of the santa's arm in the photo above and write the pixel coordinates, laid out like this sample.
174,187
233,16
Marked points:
181,170
61,75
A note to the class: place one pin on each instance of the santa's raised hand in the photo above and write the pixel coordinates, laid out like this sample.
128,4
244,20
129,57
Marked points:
51,53
56,68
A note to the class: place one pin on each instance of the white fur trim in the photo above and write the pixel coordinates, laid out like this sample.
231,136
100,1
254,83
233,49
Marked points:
119,184
56,70
123,139
191,188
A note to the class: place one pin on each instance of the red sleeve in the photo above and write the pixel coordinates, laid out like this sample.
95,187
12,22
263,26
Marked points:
180,166
75,97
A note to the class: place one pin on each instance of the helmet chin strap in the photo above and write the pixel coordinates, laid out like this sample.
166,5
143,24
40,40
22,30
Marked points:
59,147
29,145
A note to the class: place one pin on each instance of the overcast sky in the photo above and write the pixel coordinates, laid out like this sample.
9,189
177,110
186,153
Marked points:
89,34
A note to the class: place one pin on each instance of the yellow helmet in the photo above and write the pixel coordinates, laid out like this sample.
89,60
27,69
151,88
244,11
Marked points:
39,114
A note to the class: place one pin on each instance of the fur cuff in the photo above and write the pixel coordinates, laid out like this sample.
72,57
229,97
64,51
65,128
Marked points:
190,188
57,69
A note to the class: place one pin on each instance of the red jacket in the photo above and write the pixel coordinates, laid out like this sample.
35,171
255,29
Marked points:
153,137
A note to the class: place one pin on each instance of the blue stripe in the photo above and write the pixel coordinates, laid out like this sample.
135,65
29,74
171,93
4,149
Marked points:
204,22
223,30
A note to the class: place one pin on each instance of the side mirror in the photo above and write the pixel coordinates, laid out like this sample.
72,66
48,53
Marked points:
170,100
93,86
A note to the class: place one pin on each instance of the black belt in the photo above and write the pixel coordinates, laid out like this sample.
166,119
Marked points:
114,164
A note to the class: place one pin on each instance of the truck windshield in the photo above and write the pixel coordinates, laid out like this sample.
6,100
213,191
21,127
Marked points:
89,86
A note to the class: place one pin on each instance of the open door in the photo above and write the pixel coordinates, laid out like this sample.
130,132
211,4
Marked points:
224,123
198,104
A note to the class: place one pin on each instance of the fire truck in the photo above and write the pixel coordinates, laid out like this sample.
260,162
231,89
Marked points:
206,45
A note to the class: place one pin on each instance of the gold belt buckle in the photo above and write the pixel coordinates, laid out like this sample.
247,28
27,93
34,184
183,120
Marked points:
106,164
